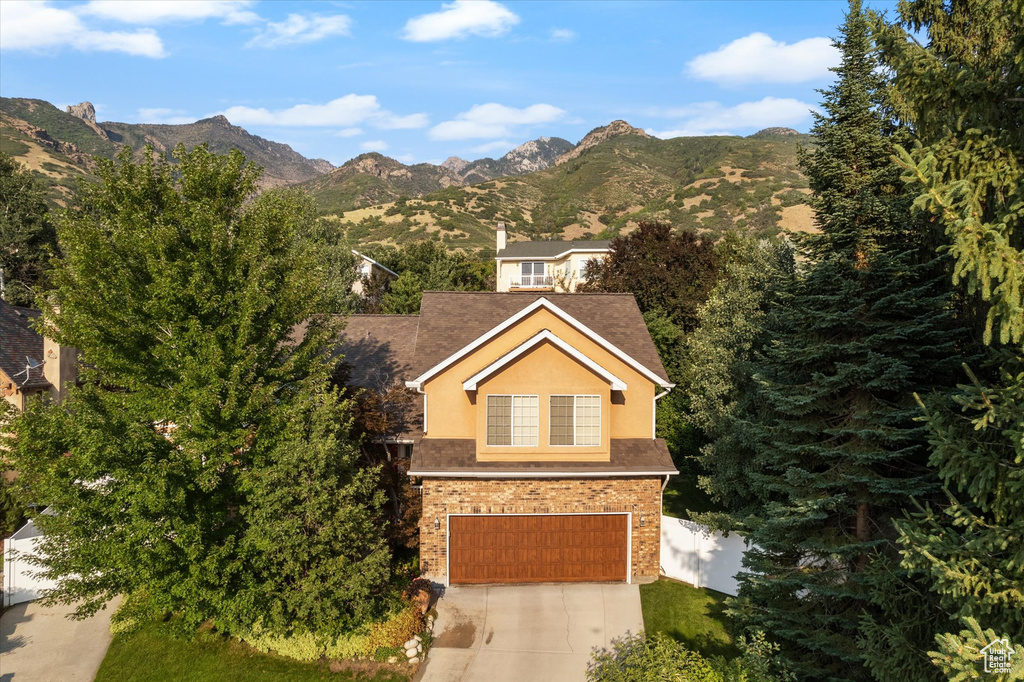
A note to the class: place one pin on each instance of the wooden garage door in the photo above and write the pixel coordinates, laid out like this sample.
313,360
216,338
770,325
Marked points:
537,549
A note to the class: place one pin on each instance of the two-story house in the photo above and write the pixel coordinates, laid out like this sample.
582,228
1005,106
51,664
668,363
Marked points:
556,266
536,450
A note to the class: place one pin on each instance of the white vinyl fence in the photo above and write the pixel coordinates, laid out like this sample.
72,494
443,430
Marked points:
20,582
693,554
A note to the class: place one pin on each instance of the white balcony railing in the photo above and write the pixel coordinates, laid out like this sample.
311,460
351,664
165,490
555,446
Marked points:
531,282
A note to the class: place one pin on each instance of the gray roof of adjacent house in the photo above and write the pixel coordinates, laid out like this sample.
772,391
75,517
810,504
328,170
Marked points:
552,249
21,347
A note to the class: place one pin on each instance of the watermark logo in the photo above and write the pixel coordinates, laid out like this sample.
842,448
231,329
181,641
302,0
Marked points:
997,656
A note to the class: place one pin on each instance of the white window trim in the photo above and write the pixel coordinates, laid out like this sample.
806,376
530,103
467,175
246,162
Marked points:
574,396
512,419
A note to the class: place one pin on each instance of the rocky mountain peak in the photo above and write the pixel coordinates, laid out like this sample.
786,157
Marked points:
85,111
599,135
775,131
454,164
534,155
375,163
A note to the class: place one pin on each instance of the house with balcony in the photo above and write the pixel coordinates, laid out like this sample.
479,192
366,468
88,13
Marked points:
534,441
556,266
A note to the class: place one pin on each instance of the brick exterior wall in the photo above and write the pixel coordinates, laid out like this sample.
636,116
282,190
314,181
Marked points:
638,495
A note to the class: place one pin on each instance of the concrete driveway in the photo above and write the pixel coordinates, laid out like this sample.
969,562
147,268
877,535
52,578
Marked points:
527,632
40,644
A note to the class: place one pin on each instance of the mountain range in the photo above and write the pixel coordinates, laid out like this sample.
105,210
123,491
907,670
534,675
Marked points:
616,176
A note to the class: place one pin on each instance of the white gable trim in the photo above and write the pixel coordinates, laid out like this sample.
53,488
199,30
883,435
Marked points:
470,384
558,312
560,256
370,260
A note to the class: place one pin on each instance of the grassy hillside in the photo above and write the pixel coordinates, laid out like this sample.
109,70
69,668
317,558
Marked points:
58,124
709,184
59,147
282,165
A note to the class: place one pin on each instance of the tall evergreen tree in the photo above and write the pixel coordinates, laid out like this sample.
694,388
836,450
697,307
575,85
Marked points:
732,337
962,90
204,441
839,452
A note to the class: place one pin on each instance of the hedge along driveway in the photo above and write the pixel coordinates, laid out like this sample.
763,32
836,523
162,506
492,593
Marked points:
151,654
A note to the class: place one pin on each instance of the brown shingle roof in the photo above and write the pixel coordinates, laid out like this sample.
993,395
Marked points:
453,456
379,348
19,341
450,320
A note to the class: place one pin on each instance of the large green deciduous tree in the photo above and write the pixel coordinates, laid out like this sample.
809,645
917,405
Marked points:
422,266
838,452
27,240
962,91
203,468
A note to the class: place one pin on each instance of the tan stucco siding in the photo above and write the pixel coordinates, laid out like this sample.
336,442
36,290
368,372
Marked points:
452,411
544,371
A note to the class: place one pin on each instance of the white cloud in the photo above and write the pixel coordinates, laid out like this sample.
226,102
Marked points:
36,26
164,11
389,121
162,115
496,146
759,58
493,120
563,35
298,29
405,158
347,112
460,19
374,146
349,132
713,118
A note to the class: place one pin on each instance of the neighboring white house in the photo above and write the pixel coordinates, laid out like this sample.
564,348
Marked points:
545,266
365,268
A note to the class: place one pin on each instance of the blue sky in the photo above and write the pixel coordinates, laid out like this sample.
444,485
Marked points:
420,81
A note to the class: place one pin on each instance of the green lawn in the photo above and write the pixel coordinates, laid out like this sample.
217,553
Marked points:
681,494
152,655
690,615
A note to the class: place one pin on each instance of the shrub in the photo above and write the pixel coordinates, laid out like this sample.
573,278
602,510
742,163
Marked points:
639,659
349,645
301,646
397,629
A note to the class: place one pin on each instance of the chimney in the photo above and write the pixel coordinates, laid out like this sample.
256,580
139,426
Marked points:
502,239
60,367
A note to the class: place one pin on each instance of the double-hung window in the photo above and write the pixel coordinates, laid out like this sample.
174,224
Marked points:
575,419
512,420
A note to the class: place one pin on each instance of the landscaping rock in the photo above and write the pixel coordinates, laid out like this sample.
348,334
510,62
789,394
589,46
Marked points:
411,644
414,661
393,659
411,653
417,638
